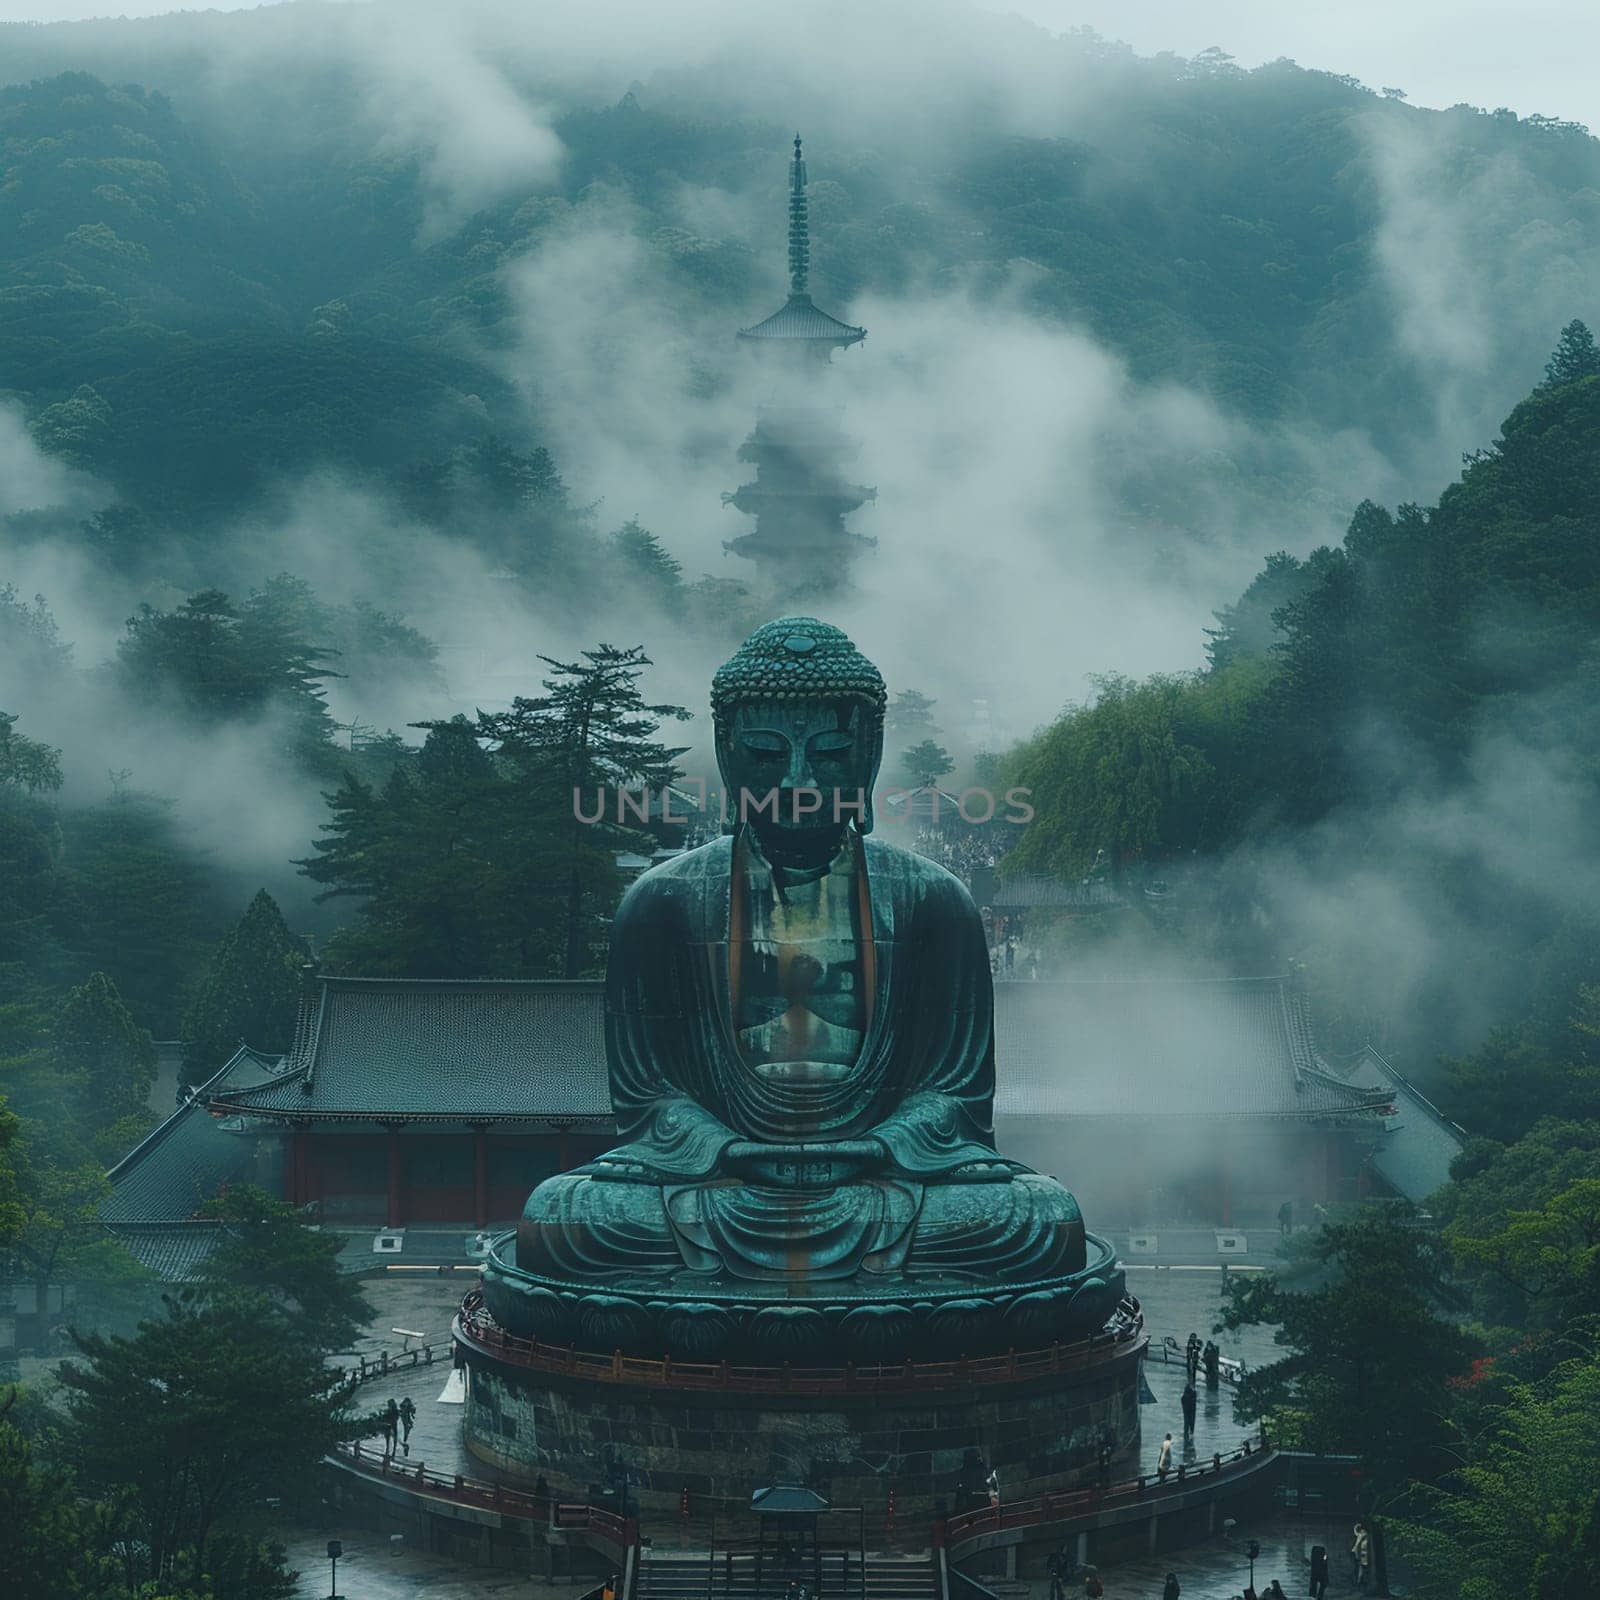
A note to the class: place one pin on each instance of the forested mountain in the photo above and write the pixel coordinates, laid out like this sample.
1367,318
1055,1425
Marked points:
209,284
1390,767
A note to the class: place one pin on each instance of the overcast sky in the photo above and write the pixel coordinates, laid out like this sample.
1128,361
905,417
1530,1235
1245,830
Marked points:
1533,58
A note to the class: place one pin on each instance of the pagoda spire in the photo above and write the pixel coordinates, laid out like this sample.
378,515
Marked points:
805,329
800,495
799,226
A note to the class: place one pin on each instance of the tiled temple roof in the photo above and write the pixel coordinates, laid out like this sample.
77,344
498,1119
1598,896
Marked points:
798,318
189,1157
1419,1143
472,1051
173,1251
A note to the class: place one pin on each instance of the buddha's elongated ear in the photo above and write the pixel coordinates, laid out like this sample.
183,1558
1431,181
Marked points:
874,761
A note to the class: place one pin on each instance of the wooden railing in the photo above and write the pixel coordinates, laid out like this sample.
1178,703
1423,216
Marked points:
1171,1354
607,1527
476,1329
620,1535
387,1361
1067,1504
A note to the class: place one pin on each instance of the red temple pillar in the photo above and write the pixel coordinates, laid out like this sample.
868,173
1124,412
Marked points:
480,1177
395,1214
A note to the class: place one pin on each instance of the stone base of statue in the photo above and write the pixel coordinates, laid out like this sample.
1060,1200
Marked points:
1035,1415
869,1318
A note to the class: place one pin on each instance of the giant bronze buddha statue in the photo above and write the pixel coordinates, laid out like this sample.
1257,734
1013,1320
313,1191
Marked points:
799,1032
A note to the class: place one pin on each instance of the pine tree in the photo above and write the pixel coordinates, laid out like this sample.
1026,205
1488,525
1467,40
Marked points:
926,763
98,1047
250,991
447,861
590,732
910,716
1574,357
643,557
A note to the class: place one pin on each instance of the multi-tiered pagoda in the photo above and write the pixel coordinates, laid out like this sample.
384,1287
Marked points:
800,496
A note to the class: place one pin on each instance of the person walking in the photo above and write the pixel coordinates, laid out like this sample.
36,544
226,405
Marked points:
1359,1556
1286,1218
1164,1460
1192,1354
1319,1571
1170,1590
1190,1403
408,1420
1056,1566
391,1425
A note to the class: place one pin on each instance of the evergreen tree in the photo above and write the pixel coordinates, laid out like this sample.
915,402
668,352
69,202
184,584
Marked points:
590,736
444,861
99,1049
13,1216
266,1249
250,992
910,717
926,763
216,661
194,1419
134,903
50,1549
505,479
1368,1354
648,563
29,845
26,766
1574,356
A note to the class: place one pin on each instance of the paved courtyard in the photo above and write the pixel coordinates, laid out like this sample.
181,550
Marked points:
375,1568
1219,1569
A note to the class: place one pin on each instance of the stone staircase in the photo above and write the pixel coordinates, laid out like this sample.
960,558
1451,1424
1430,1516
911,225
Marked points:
731,1575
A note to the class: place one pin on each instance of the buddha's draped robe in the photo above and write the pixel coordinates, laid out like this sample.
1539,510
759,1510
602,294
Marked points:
887,1167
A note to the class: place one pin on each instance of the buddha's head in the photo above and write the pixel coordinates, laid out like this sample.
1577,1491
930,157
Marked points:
798,716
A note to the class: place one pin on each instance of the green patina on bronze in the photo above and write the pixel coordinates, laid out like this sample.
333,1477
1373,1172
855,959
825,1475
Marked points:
799,1032
795,658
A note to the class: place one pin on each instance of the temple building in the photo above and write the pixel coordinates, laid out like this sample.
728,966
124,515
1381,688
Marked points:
421,1112
800,496
1174,1101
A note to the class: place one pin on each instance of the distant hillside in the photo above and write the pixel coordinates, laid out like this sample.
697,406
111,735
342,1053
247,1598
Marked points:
1283,241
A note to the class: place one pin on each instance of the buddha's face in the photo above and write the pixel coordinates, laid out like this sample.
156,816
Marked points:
798,771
